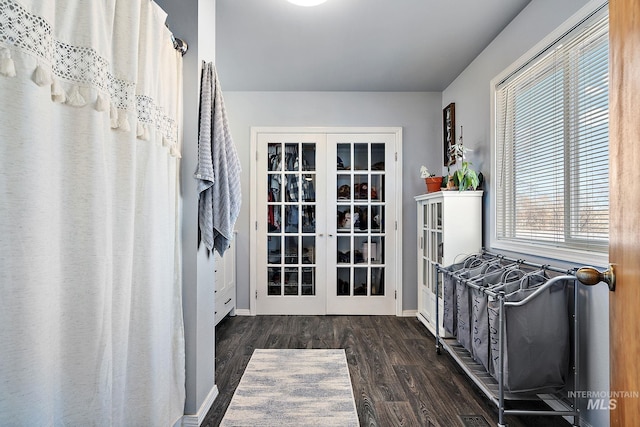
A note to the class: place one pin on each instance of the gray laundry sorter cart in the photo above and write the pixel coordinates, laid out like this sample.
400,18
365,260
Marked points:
513,384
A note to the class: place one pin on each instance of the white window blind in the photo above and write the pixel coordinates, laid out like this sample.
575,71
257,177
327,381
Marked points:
552,145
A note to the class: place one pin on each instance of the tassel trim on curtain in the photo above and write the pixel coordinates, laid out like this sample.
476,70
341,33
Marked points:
102,91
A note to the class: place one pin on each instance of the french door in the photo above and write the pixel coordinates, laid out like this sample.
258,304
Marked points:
325,223
291,213
362,224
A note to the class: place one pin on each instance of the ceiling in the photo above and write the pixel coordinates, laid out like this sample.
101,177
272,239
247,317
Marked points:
353,45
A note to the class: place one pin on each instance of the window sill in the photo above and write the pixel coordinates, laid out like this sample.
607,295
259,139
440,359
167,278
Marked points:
577,257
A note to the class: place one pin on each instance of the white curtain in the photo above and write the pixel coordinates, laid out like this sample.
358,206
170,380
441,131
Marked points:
90,293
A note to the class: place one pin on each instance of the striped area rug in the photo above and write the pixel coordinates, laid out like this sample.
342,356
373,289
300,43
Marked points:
294,388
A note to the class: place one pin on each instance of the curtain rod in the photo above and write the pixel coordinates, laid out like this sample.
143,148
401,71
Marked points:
570,271
178,44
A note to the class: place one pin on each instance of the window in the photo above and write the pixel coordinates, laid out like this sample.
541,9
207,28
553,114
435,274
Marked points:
552,148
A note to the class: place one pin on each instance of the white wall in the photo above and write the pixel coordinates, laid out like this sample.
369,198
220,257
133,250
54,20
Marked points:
471,93
417,113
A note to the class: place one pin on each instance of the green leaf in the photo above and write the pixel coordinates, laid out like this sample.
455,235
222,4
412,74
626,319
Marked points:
459,177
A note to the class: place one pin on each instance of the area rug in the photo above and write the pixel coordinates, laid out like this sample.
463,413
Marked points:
294,388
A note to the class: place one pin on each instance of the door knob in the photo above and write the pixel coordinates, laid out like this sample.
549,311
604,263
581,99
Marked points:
591,276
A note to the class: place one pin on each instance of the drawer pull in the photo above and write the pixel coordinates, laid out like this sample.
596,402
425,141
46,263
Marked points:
228,301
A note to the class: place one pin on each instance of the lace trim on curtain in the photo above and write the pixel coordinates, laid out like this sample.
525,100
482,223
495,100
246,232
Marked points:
79,65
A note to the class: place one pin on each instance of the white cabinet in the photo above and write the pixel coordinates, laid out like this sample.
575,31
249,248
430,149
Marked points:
225,286
449,227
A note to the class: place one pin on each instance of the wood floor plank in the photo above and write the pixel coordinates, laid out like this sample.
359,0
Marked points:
372,361
397,414
416,396
397,377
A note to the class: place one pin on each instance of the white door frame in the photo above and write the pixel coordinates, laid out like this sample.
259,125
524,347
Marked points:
253,219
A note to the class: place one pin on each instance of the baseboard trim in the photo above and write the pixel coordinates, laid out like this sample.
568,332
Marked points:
196,420
246,312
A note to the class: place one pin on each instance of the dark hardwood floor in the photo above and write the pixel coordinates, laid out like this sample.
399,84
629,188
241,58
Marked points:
397,377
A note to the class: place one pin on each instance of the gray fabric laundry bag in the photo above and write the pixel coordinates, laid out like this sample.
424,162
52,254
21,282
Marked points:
463,305
537,338
508,285
449,299
480,317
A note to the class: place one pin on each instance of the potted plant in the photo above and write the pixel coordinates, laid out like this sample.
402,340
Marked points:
433,182
464,178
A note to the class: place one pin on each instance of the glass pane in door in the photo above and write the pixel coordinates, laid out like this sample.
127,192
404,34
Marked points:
344,157
308,157
359,246
360,285
376,187
291,283
343,213
377,281
377,218
308,250
378,154
308,281
360,187
374,251
309,219
344,250
360,156
291,250
275,283
360,218
344,281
